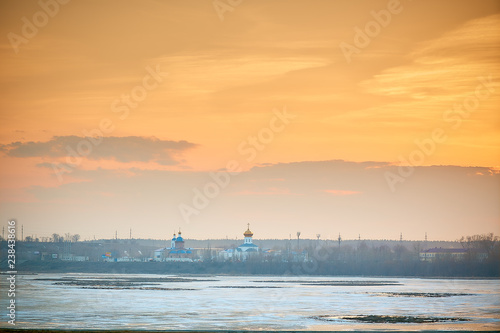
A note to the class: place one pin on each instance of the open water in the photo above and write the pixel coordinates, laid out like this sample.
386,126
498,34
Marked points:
114,301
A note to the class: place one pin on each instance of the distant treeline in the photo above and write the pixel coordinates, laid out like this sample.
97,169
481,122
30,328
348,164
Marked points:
480,257
440,268
424,269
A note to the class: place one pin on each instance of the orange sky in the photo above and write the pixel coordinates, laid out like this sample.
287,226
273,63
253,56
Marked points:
177,92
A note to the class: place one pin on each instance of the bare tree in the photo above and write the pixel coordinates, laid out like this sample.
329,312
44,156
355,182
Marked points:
75,238
485,243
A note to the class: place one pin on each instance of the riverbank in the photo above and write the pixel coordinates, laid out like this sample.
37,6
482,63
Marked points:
8,330
405,269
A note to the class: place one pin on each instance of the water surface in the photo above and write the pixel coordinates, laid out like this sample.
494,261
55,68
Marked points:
248,302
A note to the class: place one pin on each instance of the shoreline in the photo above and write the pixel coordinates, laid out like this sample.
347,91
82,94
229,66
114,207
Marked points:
235,269
274,275
17,330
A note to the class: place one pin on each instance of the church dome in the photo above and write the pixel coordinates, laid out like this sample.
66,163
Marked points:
248,233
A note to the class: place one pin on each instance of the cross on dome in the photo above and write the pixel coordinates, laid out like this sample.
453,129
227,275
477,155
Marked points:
248,233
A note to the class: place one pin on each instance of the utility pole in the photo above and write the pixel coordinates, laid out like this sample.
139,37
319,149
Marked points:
116,234
401,237
298,240
22,232
130,233
340,239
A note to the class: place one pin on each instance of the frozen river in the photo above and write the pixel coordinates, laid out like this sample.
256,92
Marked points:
166,302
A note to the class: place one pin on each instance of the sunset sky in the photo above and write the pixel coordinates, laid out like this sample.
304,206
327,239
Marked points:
361,118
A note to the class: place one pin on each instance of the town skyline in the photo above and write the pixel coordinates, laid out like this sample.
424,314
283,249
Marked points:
294,237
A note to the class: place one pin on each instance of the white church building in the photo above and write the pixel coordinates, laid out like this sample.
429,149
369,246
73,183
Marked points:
243,251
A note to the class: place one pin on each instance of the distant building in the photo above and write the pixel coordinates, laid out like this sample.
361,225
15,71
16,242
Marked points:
243,251
227,254
248,246
456,254
176,252
300,256
72,257
434,253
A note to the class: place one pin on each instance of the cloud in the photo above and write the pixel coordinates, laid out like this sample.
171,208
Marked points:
195,74
446,201
458,58
122,149
267,191
341,192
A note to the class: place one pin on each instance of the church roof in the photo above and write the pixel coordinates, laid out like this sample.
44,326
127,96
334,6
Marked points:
248,233
179,237
248,245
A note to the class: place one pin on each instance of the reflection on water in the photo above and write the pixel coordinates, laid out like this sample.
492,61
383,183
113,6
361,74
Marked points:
113,301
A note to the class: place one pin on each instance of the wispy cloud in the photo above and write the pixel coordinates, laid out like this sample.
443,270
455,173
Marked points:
195,74
122,149
268,191
433,200
341,192
444,67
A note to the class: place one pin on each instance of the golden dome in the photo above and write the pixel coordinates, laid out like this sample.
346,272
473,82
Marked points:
248,233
